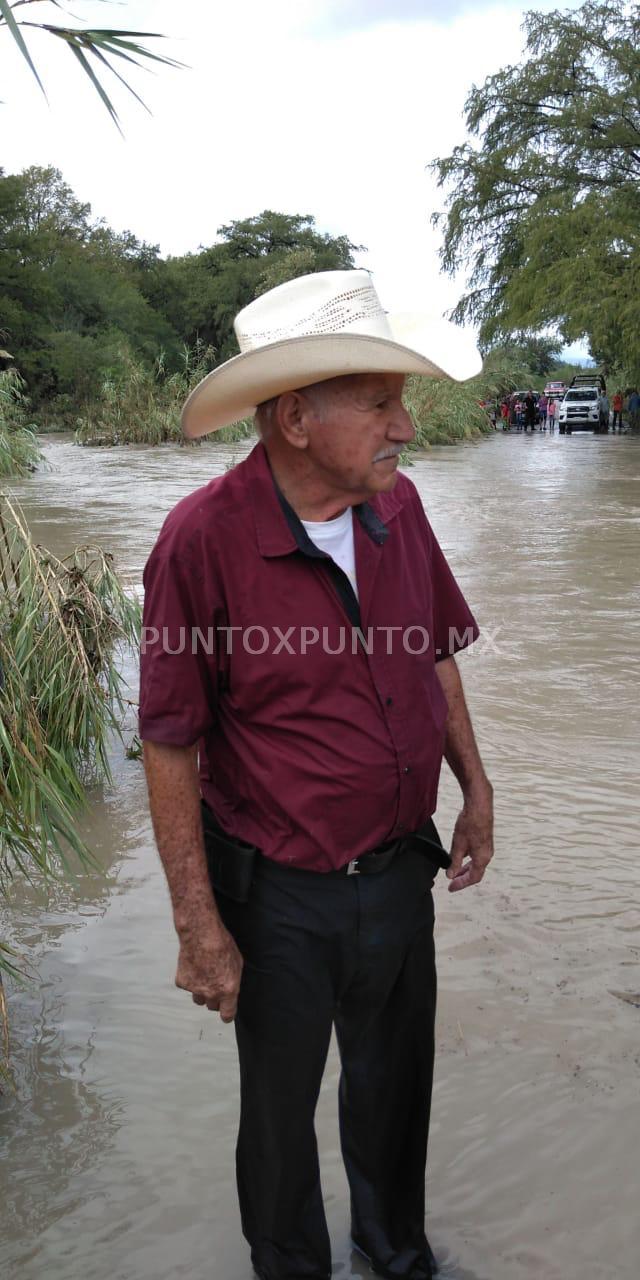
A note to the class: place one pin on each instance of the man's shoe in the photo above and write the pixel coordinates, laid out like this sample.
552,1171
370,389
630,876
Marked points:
424,1269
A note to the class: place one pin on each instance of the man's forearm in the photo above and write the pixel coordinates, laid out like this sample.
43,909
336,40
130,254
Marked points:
461,750
473,833
209,963
174,800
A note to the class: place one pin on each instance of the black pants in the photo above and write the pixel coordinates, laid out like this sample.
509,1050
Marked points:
355,952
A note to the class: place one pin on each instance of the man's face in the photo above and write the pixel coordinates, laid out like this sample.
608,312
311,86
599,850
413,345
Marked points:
357,427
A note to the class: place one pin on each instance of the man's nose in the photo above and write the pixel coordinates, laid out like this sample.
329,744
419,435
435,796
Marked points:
401,427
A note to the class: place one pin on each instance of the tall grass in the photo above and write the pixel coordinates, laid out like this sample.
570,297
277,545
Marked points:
446,412
61,622
143,405
19,452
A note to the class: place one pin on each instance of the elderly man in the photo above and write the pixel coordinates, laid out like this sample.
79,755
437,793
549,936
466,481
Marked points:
299,691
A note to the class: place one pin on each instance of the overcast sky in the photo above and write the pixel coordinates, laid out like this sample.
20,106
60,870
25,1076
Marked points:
329,107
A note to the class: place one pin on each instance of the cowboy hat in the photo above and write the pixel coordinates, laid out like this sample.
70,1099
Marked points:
318,327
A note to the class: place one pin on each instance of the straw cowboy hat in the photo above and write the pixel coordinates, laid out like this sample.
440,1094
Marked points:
317,327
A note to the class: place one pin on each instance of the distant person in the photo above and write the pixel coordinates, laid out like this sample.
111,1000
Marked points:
504,413
552,412
514,406
530,411
543,403
604,412
634,410
618,401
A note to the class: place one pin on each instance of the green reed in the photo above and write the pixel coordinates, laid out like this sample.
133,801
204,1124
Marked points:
62,623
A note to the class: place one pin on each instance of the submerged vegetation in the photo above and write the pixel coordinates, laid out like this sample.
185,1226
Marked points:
19,452
61,623
444,412
142,405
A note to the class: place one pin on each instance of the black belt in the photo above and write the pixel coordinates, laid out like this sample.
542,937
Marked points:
369,864
231,862
426,840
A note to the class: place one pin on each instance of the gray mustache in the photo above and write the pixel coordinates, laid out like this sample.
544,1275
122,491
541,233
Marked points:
392,452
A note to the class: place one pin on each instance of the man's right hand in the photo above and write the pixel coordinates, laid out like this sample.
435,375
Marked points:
210,967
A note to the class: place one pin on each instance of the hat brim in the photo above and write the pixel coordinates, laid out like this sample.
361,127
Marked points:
235,389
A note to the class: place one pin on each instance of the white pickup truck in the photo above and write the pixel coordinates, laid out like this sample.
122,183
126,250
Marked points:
581,409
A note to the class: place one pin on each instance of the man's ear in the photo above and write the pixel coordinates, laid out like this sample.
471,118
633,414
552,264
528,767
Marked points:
293,413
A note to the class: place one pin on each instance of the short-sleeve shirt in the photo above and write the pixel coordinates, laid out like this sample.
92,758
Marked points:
320,718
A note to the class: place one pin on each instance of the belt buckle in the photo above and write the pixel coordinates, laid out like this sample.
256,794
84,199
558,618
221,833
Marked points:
352,868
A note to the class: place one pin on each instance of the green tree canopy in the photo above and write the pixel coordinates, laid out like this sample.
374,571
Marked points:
531,351
543,207
69,299
80,302
200,293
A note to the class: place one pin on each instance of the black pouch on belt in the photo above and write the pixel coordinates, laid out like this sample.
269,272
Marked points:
230,861
427,840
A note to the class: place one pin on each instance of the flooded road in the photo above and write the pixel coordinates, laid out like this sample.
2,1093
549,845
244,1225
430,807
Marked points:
117,1152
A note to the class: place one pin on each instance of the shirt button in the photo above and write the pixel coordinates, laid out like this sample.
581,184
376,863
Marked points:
407,769
389,702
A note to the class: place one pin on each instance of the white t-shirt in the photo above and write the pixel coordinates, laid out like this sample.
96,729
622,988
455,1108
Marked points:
335,538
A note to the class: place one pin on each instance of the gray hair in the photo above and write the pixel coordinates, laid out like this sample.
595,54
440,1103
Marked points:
264,416
320,394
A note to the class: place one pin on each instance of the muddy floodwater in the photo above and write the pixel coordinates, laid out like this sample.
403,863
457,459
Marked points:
117,1149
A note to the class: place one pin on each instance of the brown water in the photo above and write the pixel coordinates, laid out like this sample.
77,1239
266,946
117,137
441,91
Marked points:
118,1148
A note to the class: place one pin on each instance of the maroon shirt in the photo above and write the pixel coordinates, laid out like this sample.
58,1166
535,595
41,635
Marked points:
319,742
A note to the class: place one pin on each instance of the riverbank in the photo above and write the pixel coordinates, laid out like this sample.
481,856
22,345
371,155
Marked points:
132,1091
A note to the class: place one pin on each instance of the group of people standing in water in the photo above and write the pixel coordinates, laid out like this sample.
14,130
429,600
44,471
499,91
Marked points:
531,410
524,412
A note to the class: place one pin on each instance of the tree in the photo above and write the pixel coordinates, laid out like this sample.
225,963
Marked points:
269,233
71,304
199,294
85,43
544,212
533,352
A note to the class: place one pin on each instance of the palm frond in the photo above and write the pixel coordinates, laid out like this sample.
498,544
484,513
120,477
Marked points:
7,15
101,43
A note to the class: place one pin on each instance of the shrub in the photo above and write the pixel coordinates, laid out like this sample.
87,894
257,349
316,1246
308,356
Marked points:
142,405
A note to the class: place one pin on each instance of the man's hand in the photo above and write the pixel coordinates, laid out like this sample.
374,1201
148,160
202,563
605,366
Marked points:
473,840
210,967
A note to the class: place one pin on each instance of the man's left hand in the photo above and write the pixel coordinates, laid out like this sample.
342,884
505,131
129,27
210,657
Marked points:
472,844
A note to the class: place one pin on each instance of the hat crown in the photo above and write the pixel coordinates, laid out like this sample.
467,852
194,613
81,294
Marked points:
326,302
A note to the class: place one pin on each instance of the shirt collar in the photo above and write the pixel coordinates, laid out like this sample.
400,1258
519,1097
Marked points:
279,530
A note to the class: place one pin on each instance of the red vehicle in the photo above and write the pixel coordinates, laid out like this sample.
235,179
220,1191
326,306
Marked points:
555,389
